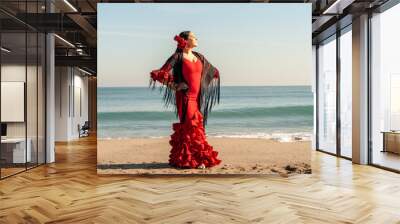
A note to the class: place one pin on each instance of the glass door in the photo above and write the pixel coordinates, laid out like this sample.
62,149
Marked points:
346,92
327,95
385,89
14,154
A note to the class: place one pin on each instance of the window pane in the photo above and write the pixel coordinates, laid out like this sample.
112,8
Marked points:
13,86
41,98
327,96
346,94
31,98
386,89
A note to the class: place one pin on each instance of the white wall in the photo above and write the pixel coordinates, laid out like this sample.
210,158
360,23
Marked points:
62,81
71,87
17,72
79,110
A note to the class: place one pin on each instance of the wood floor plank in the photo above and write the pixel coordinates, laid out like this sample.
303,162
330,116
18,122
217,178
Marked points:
70,191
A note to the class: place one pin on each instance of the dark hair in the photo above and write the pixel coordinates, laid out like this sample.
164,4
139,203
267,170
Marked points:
184,35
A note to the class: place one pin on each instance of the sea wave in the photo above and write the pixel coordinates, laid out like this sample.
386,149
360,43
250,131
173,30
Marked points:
251,112
281,137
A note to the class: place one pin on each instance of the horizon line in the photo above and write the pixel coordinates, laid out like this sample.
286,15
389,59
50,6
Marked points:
221,86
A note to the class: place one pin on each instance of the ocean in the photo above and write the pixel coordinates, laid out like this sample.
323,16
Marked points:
284,113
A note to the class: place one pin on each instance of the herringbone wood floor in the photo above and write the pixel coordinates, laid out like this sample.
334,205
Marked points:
69,191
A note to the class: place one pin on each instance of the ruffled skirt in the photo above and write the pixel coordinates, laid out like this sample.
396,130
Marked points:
189,145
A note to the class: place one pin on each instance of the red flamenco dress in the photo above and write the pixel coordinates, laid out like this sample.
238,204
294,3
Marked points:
190,148
189,145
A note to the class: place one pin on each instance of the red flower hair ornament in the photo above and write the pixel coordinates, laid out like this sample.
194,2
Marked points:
181,42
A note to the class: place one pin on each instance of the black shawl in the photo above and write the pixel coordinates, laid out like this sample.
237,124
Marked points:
209,90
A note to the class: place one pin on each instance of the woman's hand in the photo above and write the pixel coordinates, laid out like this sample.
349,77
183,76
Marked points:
181,86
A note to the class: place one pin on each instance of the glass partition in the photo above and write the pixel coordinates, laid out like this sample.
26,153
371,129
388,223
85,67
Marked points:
13,95
22,77
385,89
31,99
41,97
346,92
327,95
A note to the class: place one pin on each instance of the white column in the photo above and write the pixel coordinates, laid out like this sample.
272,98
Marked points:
50,91
360,90
50,99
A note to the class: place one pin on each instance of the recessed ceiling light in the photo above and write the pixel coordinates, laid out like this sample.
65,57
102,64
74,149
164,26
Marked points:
335,6
5,49
84,71
64,40
70,5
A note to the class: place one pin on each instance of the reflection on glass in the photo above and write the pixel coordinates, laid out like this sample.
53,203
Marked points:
394,101
14,153
327,96
346,94
31,88
41,98
22,91
385,93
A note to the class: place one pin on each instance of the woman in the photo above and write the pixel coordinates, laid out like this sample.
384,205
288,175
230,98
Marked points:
192,85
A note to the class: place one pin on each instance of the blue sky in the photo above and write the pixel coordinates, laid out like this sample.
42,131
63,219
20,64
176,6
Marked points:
250,43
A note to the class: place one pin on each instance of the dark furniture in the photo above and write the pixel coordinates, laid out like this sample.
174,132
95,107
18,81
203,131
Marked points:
391,141
3,129
84,129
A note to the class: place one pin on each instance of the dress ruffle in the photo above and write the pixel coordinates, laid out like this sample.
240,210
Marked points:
189,145
162,76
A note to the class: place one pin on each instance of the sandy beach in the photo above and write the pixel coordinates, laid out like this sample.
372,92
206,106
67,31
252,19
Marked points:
238,155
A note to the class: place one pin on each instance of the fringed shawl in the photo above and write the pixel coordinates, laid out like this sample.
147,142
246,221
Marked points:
171,72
